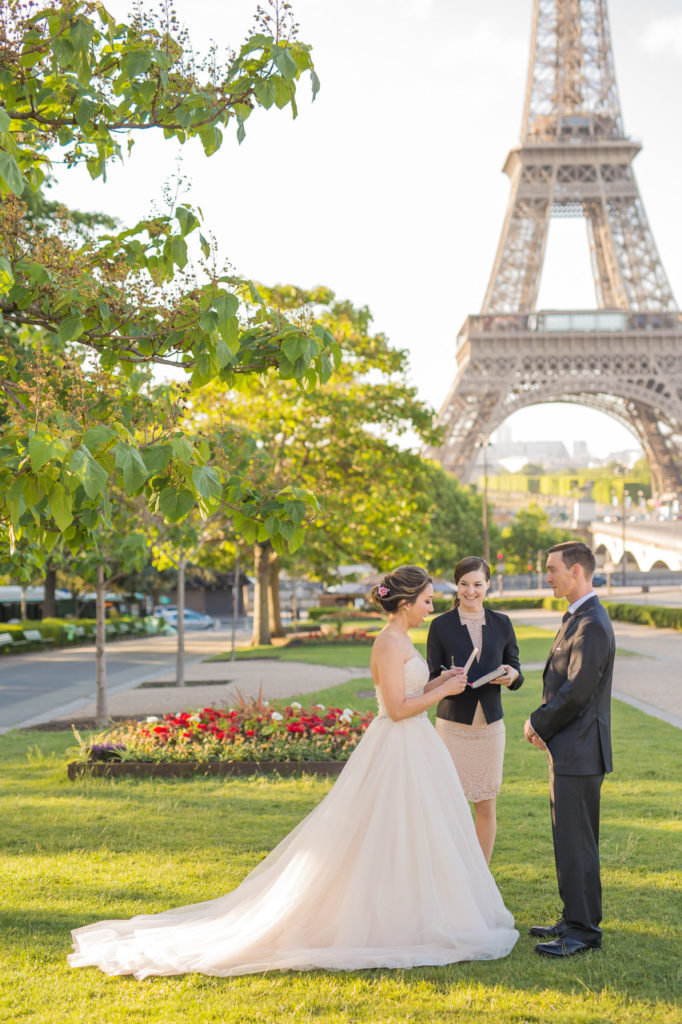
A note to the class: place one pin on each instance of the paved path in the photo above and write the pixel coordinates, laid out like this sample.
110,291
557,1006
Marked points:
223,682
650,678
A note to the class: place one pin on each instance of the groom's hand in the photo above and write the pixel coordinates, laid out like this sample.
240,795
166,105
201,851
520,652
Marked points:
532,737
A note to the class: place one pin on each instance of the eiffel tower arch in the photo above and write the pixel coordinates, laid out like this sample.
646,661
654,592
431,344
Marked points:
623,358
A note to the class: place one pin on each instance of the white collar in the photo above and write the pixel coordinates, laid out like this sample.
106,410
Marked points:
581,600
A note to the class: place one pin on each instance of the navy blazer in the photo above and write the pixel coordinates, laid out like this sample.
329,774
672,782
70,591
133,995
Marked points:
448,637
575,717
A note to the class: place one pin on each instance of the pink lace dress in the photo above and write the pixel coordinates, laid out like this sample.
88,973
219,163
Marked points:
477,749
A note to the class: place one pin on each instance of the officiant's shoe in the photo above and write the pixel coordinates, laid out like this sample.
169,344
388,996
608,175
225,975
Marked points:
550,931
563,947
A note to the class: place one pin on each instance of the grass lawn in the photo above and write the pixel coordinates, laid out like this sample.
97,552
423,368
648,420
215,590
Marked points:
78,852
534,644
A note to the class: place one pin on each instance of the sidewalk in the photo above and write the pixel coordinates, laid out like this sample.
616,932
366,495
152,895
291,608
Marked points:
649,677
218,683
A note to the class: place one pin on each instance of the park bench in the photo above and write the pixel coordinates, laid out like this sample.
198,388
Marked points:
9,642
34,636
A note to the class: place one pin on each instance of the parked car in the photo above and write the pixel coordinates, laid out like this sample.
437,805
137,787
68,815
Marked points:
191,619
599,579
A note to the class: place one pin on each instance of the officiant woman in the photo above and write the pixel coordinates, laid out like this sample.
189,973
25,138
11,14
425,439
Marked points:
471,723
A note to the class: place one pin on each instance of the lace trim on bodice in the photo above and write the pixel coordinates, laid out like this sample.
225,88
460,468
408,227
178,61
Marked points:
474,625
415,675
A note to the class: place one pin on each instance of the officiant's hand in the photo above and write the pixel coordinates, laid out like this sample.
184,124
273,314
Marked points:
532,737
510,675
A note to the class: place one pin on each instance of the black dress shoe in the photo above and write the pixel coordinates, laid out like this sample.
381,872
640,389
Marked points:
563,946
550,931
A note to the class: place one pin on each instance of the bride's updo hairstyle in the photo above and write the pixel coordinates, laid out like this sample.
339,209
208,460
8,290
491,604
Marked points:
470,564
401,586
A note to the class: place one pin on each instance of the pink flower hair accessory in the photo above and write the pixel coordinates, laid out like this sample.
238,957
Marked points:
382,591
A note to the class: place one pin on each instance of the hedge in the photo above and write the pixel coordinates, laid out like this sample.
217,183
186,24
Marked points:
643,614
63,631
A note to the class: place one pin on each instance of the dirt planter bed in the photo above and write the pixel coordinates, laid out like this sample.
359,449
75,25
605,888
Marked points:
186,769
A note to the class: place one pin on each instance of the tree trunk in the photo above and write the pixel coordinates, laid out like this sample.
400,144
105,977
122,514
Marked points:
23,614
180,661
49,599
274,605
102,713
235,606
261,570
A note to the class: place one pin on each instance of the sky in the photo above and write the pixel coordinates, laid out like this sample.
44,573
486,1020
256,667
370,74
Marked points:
388,188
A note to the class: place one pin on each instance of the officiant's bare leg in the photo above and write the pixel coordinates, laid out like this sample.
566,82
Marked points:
486,826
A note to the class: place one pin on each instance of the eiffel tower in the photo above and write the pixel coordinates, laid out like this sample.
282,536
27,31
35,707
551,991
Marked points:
623,358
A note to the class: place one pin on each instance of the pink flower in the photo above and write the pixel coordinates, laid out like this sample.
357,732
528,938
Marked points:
382,591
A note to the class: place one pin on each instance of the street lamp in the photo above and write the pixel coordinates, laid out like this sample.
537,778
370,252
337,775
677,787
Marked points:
626,502
483,442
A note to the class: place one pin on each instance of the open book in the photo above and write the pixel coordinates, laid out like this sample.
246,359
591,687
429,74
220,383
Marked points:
495,674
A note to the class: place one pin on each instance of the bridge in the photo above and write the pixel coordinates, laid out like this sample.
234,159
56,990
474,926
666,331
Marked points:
652,545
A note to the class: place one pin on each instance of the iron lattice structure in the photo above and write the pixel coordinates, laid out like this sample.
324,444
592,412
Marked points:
624,357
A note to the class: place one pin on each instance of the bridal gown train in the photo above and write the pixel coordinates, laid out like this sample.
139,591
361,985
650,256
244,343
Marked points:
385,872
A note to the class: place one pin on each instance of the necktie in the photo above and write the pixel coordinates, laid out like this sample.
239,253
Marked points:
566,617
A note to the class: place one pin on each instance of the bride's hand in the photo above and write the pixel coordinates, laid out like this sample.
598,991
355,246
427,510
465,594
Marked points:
455,680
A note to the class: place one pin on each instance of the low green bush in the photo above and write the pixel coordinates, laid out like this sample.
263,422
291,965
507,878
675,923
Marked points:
344,614
643,614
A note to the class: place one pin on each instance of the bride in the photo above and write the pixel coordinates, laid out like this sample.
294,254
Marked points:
385,872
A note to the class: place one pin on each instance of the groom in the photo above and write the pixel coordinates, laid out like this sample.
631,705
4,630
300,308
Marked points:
574,725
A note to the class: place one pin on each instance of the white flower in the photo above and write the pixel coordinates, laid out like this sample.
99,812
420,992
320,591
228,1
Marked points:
348,711
346,719
295,704
266,703
276,717
152,718
320,706
194,718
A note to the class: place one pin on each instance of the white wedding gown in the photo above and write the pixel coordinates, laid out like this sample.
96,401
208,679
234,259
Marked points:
385,872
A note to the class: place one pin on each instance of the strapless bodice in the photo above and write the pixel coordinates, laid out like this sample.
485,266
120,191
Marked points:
415,675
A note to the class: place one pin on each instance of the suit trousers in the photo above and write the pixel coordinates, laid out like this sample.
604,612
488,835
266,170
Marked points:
574,803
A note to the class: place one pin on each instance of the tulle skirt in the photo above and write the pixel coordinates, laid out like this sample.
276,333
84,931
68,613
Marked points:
385,872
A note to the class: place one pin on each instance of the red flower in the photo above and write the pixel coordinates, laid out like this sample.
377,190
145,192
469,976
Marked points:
249,732
161,729
187,735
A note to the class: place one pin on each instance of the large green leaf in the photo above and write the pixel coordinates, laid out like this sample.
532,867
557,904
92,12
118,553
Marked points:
59,501
6,276
98,436
174,503
90,473
156,458
286,65
11,178
206,482
40,450
132,466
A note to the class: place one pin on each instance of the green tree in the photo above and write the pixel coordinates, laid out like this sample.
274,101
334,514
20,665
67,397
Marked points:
85,309
529,532
345,443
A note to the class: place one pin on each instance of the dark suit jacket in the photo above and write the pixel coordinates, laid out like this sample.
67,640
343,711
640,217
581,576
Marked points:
575,717
448,637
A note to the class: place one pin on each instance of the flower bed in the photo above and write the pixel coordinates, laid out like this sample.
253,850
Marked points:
253,733
187,769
